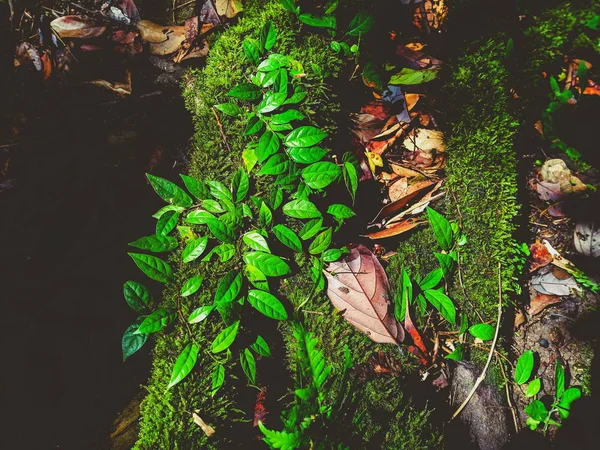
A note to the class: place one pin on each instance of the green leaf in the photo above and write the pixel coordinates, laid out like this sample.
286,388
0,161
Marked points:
287,117
218,377
213,206
166,208
248,364
267,304
321,242
483,331
155,268
266,79
533,388
184,364
256,277
220,231
270,265
245,91
254,125
249,158
320,22
132,342
431,280
351,179
306,136
370,76
464,324
567,398
200,217
268,35
265,216
441,228
169,192
155,243
287,237
537,410
532,423
559,379
333,254
524,367
276,198
166,223
196,187
224,251
246,211
201,313
457,355
156,321
194,249
275,165
340,212
240,185
311,228
219,191
268,145
301,209
412,76
136,295
290,6
321,174
191,286
225,338
362,23
261,347
270,65
306,155
403,296
271,101
256,241
298,95
447,262
281,86
229,288
230,109
251,51
443,304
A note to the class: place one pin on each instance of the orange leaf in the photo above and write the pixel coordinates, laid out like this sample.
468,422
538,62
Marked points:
394,230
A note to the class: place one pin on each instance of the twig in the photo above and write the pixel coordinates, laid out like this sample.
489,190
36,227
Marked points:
491,354
221,128
183,5
511,406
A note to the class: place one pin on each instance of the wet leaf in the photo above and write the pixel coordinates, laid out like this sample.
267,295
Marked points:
194,249
77,27
184,364
358,286
201,313
166,223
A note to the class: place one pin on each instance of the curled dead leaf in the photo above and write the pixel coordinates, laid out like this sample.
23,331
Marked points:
424,139
396,229
541,301
81,27
206,428
175,35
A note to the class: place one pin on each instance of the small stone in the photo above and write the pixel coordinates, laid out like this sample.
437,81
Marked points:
544,343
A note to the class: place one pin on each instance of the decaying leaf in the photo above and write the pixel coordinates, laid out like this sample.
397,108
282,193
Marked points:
228,8
422,353
27,53
359,288
208,430
540,256
555,171
419,189
541,301
424,139
77,27
175,35
152,32
587,239
398,228
120,88
554,283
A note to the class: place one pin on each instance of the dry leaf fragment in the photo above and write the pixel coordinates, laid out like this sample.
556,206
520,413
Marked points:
396,229
228,8
541,301
424,139
175,35
540,256
77,27
420,189
151,32
120,88
555,171
208,430
587,239
549,284
358,286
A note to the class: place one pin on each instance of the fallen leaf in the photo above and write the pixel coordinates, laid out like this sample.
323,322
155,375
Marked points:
122,89
208,430
555,171
396,229
175,35
540,302
549,191
548,283
208,14
151,32
540,256
394,207
228,8
416,337
402,171
424,139
129,8
587,239
358,286
198,51
27,53
77,27
520,318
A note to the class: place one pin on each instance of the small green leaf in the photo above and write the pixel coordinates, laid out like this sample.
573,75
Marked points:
320,22
194,249
340,212
131,342
219,191
333,254
256,277
537,410
220,231
532,423
321,174
166,223
191,286
351,179
276,198
464,324
251,51
136,295
229,288
298,95
447,262
267,304
270,102
533,388
268,35
169,192
311,228
559,379
431,280
261,347
248,364
196,187
155,243
245,91
166,208
200,217
567,398
457,355
256,241
287,117
201,313
184,364
306,136
275,165
155,268
321,242
441,228
524,368
412,76
240,185
442,303
362,23
270,265
156,321
213,206
268,145
290,6
483,331
306,155
254,125
301,209
230,109
218,378
265,216
287,237
224,251
225,338
249,158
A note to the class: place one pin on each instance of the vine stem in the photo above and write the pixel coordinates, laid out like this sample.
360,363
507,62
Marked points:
491,353
510,404
221,129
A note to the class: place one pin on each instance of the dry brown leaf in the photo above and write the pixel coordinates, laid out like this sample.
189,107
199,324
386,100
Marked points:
175,37
541,301
398,189
411,100
77,27
120,88
404,171
549,283
228,8
520,319
396,229
397,205
424,139
358,286
208,430
540,256
152,32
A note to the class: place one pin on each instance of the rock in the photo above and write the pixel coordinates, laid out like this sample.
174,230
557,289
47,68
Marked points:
556,171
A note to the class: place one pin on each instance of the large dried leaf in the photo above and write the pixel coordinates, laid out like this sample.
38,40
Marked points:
77,27
152,32
420,189
587,239
396,229
228,8
175,35
540,256
550,284
541,301
424,139
358,286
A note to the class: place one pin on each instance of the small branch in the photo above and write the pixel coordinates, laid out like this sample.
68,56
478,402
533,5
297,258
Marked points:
221,128
490,355
511,406
183,5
